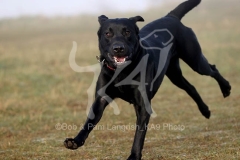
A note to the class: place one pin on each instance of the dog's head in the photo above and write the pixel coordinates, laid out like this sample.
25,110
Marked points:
118,39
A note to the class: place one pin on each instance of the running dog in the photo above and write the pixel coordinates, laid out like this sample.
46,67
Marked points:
134,63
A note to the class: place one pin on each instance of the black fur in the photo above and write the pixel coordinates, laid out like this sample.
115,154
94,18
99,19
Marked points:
119,40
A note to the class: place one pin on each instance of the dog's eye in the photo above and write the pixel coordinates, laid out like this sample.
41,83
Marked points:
108,34
127,33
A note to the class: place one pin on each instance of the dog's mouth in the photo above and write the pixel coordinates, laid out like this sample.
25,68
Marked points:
119,60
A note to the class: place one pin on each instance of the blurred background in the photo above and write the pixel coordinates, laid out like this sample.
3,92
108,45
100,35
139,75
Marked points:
38,89
14,8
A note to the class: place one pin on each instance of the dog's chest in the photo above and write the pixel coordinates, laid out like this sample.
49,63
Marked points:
121,88
125,88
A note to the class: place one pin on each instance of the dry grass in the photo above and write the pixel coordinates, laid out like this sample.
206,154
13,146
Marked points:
38,90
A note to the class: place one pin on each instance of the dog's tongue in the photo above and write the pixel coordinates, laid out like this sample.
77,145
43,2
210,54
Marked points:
120,59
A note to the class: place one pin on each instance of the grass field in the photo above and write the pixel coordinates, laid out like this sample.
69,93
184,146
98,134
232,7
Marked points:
39,90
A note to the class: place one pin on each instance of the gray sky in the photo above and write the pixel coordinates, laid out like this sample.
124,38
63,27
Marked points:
16,8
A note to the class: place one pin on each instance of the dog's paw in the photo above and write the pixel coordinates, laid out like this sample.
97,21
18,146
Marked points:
132,157
226,89
205,111
224,84
72,144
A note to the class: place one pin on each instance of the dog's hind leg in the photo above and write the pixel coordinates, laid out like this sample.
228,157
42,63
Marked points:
191,53
174,73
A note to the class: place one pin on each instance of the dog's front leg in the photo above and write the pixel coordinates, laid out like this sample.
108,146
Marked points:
94,116
142,121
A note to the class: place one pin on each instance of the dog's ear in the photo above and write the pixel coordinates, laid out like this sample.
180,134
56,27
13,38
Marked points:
137,19
102,19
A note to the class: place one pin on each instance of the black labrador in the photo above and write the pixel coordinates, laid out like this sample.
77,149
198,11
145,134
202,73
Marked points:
134,63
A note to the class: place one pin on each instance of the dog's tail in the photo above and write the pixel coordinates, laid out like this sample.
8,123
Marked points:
184,8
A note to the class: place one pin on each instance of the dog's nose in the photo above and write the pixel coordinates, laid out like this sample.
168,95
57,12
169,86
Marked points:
118,48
